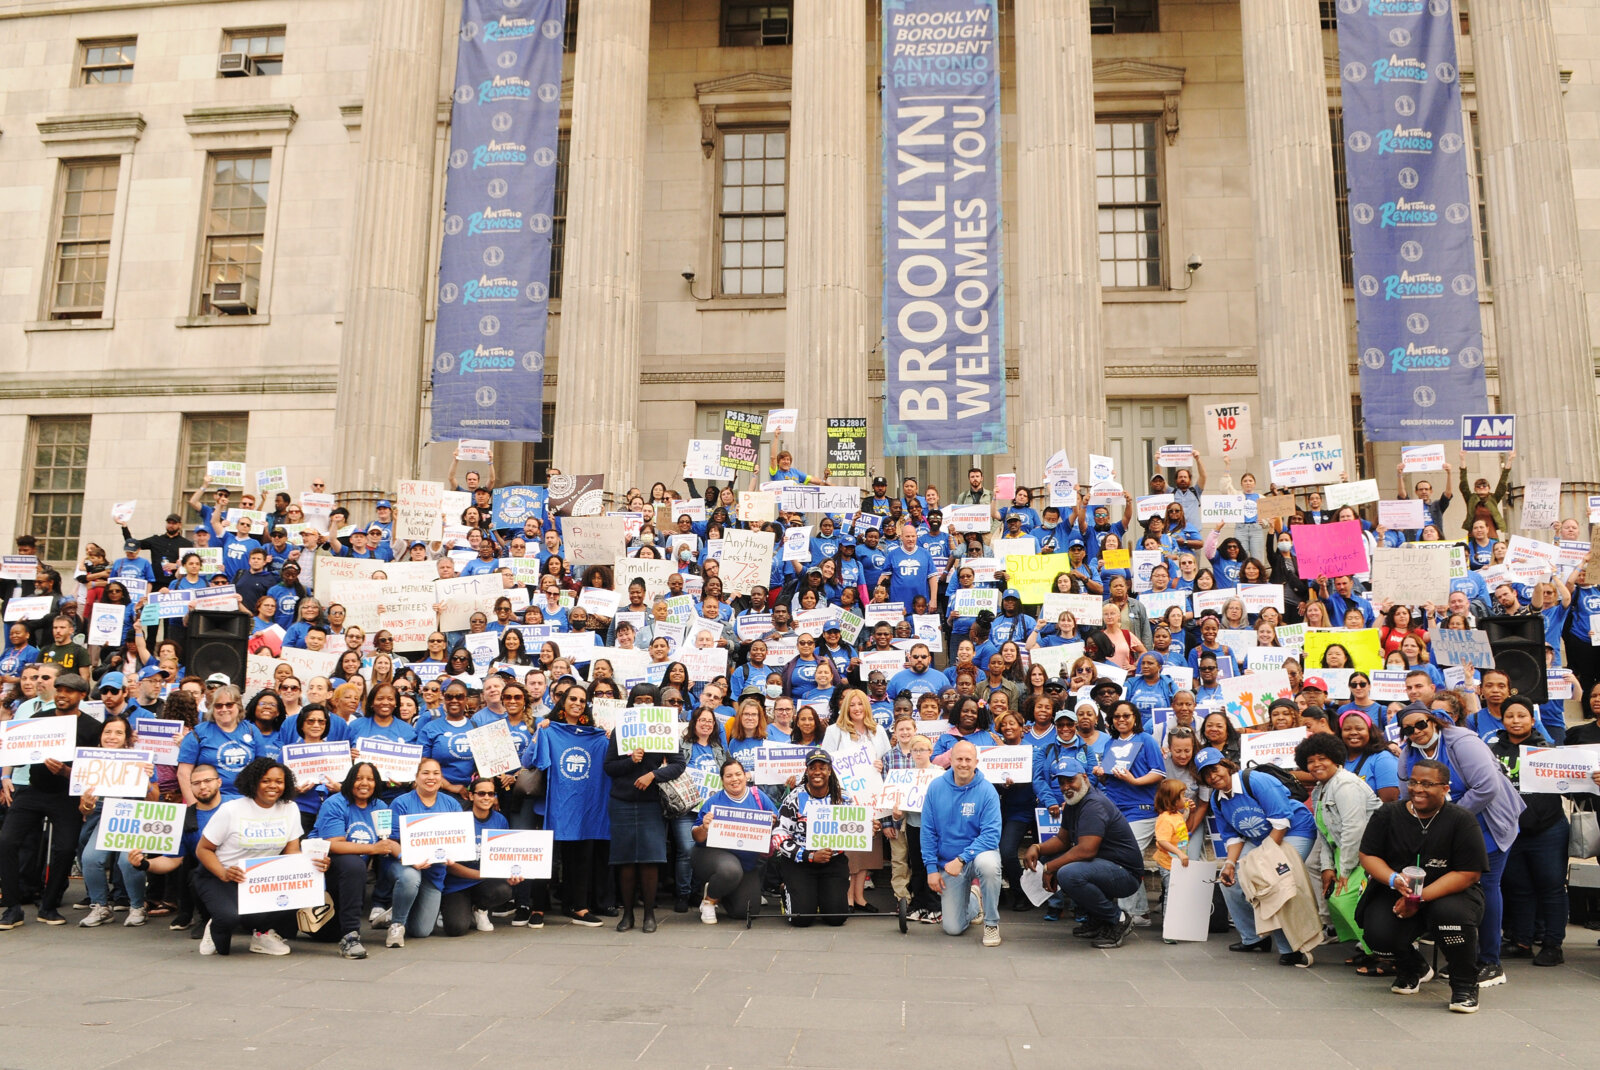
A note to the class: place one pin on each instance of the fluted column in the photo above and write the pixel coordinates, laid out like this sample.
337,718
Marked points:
825,358
1062,365
1301,347
1541,334
597,374
380,356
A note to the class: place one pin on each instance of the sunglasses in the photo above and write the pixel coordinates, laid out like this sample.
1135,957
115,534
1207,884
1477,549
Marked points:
1411,728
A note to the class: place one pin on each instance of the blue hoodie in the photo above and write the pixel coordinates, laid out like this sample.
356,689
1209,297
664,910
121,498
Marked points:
959,822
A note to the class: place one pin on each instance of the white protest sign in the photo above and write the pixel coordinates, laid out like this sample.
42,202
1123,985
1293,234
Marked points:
1338,495
160,739
493,751
966,518
1559,771
474,449
272,480
999,764
1541,504
1409,577
1152,505
781,420
525,853
737,829
1228,431
746,560
460,595
594,540
122,512
1101,468
1422,458
1276,748
225,473
396,762
1186,915
156,828
421,511
1222,509
105,624
838,828
904,789
757,506
1404,514
777,762
703,460
280,882
1326,454
38,740
796,544
315,763
111,772
1294,472
437,838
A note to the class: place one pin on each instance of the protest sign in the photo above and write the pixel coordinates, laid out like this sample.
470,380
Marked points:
1245,698
781,421
156,828
225,473
703,460
838,828
1410,577
1489,433
594,540
1541,504
33,607
396,762
1388,685
1152,505
581,495
525,853
1276,748
1326,455
105,624
493,751
159,738
858,777
1558,771
740,445
1362,644
746,560
122,512
1107,493
970,601
110,772
738,829
421,511
280,882
1034,574
1064,491
272,481
757,506
437,838
1174,456
1101,468
1228,431
961,519
1005,487
1221,509
1404,514
1330,549
1274,507
777,762
1294,472
1338,495
1085,608
999,764
23,567
1422,458
38,740
904,789
1186,914
847,447
474,449
652,729
1046,824
315,763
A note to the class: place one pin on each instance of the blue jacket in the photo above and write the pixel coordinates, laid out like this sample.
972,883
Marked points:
959,822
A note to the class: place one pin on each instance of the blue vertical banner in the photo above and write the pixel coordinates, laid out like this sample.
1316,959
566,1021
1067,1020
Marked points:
944,346
1418,328
494,266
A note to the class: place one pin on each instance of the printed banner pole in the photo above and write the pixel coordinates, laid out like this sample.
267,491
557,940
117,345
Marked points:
494,264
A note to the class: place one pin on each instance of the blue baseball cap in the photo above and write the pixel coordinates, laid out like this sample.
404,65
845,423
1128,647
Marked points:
385,503
1207,757
1011,592
112,681
1069,768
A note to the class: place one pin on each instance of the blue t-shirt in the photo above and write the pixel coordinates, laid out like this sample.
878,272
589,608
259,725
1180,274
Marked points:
1140,754
1379,770
909,574
454,883
575,799
447,743
230,752
907,682
409,803
341,817
753,800
1249,815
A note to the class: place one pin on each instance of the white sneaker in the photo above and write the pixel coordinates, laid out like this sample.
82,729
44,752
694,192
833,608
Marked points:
98,915
1141,921
481,922
708,912
207,947
991,936
396,937
136,916
379,917
268,943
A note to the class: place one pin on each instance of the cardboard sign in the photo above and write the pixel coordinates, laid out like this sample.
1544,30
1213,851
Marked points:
493,751
737,829
1271,507
525,853
156,828
1461,646
280,882
1228,431
437,838
757,506
1409,577
838,828
594,540
746,560
1330,549
111,772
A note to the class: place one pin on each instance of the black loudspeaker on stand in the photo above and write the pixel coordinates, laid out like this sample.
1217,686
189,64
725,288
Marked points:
1518,645
217,643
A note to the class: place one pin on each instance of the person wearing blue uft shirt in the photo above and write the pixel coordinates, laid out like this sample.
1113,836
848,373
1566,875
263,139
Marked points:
1340,596
225,741
1248,812
444,739
132,566
911,570
874,562
467,897
350,823
418,889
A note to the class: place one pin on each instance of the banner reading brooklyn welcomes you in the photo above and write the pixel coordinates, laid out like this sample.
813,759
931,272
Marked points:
494,267
943,350
1411,219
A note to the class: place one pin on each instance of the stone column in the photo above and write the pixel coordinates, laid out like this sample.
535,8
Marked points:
825,351
1542,339
1062,373
380,358
1302,358
597,370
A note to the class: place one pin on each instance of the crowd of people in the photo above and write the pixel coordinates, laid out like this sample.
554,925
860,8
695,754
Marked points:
868,656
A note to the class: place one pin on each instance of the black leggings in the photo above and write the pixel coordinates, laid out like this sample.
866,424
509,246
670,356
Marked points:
457,906
724,878
1453,920
583,873
811,888
347,883
921,897
221,898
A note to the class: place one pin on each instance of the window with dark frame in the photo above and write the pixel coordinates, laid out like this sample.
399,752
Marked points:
208,436
235,224
1484,250
1123,16
108,61
1128,189
558,215
55,485
746,24
82,254
752,206
1341,197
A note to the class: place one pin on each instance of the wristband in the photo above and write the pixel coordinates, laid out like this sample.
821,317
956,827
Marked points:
1392,876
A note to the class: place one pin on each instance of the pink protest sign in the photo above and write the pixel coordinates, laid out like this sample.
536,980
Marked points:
1330,549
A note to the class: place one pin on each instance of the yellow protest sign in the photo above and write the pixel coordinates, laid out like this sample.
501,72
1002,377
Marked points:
1116,558
1032,574
1366,652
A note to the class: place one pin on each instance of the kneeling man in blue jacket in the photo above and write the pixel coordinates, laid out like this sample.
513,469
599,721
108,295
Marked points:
961,844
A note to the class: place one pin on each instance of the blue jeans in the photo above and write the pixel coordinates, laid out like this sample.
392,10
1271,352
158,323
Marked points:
1244,915
416,901
94,864
1535,887
956,902
680,828
1095,885
1253,537
1493,908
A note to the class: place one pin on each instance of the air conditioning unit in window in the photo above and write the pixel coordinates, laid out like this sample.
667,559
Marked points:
775,31
1102,18
235,65
234,298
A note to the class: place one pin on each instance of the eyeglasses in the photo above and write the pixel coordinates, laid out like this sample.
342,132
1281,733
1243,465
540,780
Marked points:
674,702
1411,728
1425,784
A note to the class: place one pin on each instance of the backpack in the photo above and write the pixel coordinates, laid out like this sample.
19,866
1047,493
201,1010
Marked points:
1297,791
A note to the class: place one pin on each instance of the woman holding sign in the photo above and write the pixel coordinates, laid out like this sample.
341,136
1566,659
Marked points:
351,824
1535,879
114,735
638,827
729,877
468,898
261,821
814,882
418,888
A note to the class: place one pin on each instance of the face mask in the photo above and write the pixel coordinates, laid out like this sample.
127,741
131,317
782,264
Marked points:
773,691
648,539
1287,546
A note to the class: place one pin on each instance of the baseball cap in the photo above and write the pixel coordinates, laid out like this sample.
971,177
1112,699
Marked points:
1067,767
151,670
1315,683
113,681
131,545
817,755
1011,592
832,626
385,503
72,682
174,518
879,481
1055,684
200,527
1065,713
1208,757
220,678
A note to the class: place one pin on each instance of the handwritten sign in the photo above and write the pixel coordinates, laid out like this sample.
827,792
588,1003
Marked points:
1330,549
746,560
1410,577
110,772
1339,495
1228,431
493,751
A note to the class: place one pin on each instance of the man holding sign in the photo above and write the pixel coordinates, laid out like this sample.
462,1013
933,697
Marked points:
961,844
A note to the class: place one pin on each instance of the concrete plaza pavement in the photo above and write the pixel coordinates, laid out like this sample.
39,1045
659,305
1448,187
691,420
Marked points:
694,995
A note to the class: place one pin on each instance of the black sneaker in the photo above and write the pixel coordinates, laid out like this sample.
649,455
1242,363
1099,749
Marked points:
680,905
1464,999
1262,945
83,904
179,923
504,910
536,920
1301,959
11,918
1489,975
1087,930
590,919
1114,934
1512,950
521,917
1407,984
1549,956
50,916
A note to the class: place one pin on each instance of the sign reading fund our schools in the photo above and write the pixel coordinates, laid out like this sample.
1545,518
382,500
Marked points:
494,266
1418,330
944,352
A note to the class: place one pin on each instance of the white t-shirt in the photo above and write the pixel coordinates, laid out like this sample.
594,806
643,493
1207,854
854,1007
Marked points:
243,830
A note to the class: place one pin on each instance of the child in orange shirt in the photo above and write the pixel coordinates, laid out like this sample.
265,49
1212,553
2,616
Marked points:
1172,830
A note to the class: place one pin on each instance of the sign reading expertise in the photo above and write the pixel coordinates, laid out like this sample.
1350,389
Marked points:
494,265
1419,334
943,323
